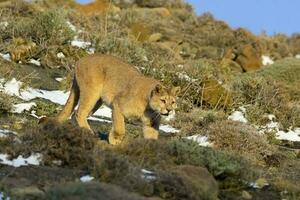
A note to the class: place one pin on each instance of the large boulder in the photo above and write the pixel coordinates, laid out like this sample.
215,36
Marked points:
20,49
96,7
215,95
249,57
200,182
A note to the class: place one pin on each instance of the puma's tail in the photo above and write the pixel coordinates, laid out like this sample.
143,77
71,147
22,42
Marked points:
71,103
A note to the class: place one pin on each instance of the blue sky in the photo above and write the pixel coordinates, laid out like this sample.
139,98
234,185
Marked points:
271,16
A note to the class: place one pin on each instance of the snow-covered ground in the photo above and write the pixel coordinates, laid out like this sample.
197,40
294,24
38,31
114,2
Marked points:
35,62
5,133
148,175
239,115
34,159
80,43
266,60
13,88
168,129
5,56
86,178
201,140
21,107
184,76
293,134
3,197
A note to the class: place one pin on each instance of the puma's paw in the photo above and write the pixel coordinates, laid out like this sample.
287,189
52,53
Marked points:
150,133
114,140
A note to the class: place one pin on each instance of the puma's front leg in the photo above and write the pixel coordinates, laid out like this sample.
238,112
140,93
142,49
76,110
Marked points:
117,132
151,126
150,133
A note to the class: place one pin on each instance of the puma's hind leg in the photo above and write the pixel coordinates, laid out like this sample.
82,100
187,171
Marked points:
87,103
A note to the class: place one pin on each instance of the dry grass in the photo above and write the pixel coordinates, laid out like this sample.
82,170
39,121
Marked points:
272,90
241,139
6,103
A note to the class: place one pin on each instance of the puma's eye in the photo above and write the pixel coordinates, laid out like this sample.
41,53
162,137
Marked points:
163,100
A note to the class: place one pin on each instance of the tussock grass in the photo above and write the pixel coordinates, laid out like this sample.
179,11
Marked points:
272,90
122,165
6,103
240,138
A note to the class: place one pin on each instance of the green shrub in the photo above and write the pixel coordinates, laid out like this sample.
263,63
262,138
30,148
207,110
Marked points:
46,28
52,27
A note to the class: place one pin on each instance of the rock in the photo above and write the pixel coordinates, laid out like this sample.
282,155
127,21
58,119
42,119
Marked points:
20,49
214,94
249,58
198,180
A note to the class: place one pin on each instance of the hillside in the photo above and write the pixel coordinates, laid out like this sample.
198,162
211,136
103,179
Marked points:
235,134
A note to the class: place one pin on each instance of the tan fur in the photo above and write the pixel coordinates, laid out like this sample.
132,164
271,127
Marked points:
106,79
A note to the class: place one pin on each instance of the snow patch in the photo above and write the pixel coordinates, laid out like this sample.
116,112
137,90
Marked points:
13,86
35,62
168,129
273,126
148,175
86,178
99,120
80,43
3,197
184,76
5,56
104,111
60,55
71,26
91,50
291,135
201,140
266,60
21,107
5,133
171,116
58,79
34,159
4,25
239,115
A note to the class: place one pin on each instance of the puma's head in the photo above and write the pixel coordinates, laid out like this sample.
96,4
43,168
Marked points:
163,100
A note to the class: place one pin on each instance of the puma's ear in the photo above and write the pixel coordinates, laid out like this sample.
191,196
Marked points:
175,90
157,90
